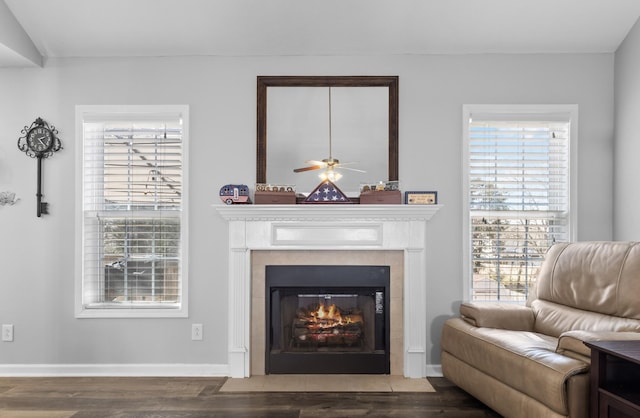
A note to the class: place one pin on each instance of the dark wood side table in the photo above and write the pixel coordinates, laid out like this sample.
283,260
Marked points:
615,379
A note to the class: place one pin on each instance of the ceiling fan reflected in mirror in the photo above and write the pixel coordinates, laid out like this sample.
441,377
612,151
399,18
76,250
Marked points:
330,165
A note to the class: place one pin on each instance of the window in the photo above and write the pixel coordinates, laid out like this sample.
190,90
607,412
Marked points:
133,211
518,194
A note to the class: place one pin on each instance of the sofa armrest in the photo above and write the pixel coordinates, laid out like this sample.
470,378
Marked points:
498,315
571,343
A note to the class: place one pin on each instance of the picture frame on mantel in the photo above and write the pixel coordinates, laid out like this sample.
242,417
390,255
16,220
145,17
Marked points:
421,198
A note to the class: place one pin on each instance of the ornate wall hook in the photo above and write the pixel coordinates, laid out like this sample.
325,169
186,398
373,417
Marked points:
8,198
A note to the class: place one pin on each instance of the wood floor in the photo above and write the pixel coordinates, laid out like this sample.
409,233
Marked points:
182,397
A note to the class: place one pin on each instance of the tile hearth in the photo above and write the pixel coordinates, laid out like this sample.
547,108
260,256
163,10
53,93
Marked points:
326,383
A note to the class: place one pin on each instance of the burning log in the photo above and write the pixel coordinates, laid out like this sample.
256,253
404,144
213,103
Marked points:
322,325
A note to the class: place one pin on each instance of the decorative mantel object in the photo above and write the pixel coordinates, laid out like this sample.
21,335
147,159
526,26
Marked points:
329,227
327,193
383,197
275,194
40,141
8,198
235,194
381,193
421,198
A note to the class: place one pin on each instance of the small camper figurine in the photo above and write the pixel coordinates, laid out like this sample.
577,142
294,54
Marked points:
234,193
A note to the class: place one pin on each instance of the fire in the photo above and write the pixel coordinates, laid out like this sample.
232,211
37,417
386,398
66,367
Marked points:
328,315
327,325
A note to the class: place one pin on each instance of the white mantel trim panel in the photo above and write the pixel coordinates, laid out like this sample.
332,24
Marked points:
328,227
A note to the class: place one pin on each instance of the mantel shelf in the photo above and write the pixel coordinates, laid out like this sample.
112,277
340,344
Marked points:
327,212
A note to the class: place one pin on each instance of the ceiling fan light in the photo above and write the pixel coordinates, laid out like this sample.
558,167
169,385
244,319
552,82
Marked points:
330,175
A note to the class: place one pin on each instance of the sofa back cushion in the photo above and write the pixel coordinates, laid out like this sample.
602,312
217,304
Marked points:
555,319
601,277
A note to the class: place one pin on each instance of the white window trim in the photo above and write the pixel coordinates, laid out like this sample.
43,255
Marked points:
505,109
122,312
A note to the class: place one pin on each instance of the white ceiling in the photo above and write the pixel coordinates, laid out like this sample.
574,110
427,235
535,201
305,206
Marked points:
101,28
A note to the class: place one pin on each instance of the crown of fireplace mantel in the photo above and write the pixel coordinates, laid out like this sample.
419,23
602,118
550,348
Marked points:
328,227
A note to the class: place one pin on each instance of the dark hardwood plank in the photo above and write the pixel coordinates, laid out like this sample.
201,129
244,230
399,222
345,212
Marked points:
200,397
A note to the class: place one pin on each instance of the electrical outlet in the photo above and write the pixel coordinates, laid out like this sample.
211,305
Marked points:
196,332
7,332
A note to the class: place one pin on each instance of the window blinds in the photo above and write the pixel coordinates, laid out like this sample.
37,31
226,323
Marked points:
518,197
132,210
134,166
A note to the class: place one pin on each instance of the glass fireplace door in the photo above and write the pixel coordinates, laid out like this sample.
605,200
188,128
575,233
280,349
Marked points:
328,321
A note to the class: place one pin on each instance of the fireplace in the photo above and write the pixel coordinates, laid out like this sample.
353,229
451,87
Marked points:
327,319
336,232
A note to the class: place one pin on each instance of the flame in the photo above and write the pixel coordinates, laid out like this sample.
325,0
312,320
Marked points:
323,324
329,317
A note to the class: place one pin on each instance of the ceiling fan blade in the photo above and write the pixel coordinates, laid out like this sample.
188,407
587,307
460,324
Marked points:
340,167
313,167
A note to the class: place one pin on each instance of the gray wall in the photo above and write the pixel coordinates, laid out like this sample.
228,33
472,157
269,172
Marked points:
627,144
37,256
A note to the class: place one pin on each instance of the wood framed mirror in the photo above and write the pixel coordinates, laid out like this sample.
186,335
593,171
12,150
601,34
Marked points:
281,147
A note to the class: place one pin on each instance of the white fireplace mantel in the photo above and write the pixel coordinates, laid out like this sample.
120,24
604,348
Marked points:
328,227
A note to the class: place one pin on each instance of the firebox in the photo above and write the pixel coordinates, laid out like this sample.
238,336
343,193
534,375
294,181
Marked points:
327,319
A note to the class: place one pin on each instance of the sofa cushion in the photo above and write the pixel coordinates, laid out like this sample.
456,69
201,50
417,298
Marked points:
601,277
509,402
525,361
555,319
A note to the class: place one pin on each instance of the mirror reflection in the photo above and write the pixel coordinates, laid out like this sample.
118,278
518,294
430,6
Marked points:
304,128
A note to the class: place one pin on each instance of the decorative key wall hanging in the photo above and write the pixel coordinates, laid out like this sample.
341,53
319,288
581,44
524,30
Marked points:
40,141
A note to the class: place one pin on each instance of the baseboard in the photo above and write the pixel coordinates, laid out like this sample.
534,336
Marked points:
135,370
434,370
129,370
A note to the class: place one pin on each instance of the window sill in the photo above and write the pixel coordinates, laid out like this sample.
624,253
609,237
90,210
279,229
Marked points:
119,311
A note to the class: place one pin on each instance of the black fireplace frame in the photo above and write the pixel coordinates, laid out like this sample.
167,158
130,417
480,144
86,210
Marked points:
332,278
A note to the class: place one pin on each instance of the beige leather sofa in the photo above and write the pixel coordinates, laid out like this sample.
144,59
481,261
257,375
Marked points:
530,361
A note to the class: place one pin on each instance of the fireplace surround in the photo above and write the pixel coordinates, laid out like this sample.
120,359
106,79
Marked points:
338,231
261,259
